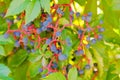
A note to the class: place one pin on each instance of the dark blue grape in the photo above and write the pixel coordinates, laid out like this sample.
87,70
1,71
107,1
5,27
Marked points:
53,48
101,21
101,29
48,41
88,46
88,29
78,53
31,43
45,23
80,32
44,28
58,33
88,18
32,50
49,19
6,35
93,41
83,18
39,30
16,33
71,12
100,36
78,14
9,21
87,66
25,41
88,38
54,65
40,70
17,44
68,41
59,11
90,14
81,72
62,57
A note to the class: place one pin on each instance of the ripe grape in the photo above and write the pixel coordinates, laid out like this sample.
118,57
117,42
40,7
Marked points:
16,33
39,30
90,14
87,66
88,46
54,65
48,41
100,36
6,35
80,32
17,44
101,29
58,33
40,70
62,57
93,41
71,12
81,72
77,14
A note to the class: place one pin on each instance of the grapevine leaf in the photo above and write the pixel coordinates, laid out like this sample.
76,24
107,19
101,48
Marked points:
2,52
32,11
16,7
72,74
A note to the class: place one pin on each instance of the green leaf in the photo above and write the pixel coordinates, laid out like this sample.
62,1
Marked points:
2,52
16,7
34,57
18,58
63,1
5,41
44,47
72,74
4,70
81,2
116,5
48,54
32,11
5,78
45,5
110,73
44,62
34,69
55,76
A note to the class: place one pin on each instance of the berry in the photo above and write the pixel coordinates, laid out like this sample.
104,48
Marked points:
100,36
83,18
62,57
17,44
45,23
9,21
80,32
39,30
59,11
77,14
25,41
87,66
2,14
68,41
88,18
90,14
54,65
53,48
71,12
58,33
88,46
48,41
101,29
78,53
49,19
81,72
88,29
101,21
40,70
88,38
16,33
93,41
31,43
32,50
44,28
6,35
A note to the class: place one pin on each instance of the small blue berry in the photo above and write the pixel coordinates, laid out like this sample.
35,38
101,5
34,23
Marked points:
77,14
88,38
78,53
58,33
31,43
93,41
100,36
87,66
80,32
39,30
6,35
25,41
101,29
88,18
62,57
90,14
16,33
17,44
83,18
71,12
40,70
49,19
54,65
101,21
48,41
88,29
88,46
81,72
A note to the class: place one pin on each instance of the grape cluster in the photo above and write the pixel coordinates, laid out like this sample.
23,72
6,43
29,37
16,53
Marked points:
30,38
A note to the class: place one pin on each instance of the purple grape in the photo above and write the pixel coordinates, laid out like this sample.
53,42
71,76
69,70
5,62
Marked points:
68,41
71,12
100,36
62,57
17,44
101,21
93,41
6,35
87,66
88,29
88,46
80,32
78,53
90,14
45,23
31,43
54,65
58,33
53,48
101,29
16,33
81,72
49,19
88,38
40,70
83,18
77,14
88,18
32,50
44,28
59,11
25,41
39,30
48,41
9,21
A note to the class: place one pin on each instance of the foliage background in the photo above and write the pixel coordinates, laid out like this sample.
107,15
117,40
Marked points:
106,53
